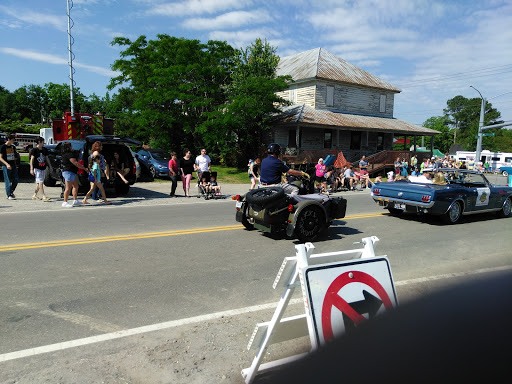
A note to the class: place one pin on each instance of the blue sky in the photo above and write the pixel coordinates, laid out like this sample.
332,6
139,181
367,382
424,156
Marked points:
432,50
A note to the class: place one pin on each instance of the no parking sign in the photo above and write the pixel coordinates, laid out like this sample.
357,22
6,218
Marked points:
342,295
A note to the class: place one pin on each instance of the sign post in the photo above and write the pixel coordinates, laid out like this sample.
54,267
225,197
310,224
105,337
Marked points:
338,295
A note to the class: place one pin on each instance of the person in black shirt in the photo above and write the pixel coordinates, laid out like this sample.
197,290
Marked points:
187,168
8,158
38,163
69,173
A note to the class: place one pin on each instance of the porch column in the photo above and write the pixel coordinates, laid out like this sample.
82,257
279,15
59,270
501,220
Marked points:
405,142
297,136
432,145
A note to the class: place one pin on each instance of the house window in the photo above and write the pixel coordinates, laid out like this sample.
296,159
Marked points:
328,138
355,140
292,138
292,95
330,96
380,142
382,107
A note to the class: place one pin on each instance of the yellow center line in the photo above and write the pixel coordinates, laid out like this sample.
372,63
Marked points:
60,243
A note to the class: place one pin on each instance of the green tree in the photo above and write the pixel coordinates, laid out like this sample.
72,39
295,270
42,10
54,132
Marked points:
168,86
464,117
238,129
444,140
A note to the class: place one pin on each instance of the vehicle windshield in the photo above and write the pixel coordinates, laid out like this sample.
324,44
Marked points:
161,156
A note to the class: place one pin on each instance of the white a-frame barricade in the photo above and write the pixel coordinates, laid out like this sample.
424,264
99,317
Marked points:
340,290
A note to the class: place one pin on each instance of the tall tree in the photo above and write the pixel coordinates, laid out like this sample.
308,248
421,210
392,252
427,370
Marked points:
464,117
170,84
252,104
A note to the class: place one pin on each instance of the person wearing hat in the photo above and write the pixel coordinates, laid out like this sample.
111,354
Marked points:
272,169
320,172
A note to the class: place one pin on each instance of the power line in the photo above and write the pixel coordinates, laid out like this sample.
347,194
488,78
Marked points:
456,76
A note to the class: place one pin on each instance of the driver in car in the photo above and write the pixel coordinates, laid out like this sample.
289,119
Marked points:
272,169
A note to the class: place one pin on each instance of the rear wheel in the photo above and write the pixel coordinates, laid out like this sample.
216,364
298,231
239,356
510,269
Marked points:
394,211
454,213
122,189
309,224
507,208
504,173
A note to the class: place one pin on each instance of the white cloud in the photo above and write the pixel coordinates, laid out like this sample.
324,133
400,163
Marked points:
228,20
197,7
53,59
243,38
37,18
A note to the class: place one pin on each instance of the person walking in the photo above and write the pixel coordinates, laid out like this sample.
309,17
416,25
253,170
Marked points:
96,149
38,162
252,171
94,166
173,173
203,164
9,157
320,170
187,168
69,172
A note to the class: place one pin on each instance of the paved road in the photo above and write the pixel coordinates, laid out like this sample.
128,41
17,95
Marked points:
94,270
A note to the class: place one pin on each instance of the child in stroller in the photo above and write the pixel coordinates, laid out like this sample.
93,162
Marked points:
207,185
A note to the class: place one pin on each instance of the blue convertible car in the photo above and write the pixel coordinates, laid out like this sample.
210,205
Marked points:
465,193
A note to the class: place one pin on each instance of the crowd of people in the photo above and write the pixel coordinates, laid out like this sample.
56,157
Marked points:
271,171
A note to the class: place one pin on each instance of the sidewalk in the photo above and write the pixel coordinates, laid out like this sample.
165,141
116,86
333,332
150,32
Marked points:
139,194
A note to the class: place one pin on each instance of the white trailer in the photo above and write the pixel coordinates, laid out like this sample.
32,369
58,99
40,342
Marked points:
496,160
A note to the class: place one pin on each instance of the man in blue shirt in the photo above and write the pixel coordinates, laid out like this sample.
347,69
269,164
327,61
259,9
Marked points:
272,169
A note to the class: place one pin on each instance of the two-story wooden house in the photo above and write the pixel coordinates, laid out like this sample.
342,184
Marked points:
338,106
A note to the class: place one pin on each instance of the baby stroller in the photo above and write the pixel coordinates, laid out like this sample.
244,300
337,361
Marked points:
207,185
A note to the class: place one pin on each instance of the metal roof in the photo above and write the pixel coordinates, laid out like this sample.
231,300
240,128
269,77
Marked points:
321,64
305,114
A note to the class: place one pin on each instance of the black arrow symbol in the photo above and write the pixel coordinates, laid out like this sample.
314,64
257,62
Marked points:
369,305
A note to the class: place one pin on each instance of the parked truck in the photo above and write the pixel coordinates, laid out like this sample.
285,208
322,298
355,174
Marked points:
77,127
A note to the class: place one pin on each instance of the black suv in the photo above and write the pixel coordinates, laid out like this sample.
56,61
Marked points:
82,149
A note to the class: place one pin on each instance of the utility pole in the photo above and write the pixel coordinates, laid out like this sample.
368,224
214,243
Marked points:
480,126
70,62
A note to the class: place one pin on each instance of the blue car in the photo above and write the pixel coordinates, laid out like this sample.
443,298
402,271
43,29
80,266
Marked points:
465,192
505,171
155,161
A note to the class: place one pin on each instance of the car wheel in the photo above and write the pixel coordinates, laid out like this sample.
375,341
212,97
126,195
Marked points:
506,209
504,173
152,171
122,189
394,211
309,223
454,213
262,196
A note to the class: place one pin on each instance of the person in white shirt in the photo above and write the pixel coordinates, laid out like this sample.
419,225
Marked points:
351,176
202,163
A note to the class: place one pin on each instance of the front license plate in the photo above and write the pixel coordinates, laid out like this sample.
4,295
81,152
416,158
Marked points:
400,206
238,204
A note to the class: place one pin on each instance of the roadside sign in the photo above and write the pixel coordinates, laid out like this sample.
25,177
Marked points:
342,295
486,134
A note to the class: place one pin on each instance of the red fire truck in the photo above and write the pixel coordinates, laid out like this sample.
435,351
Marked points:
80,125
